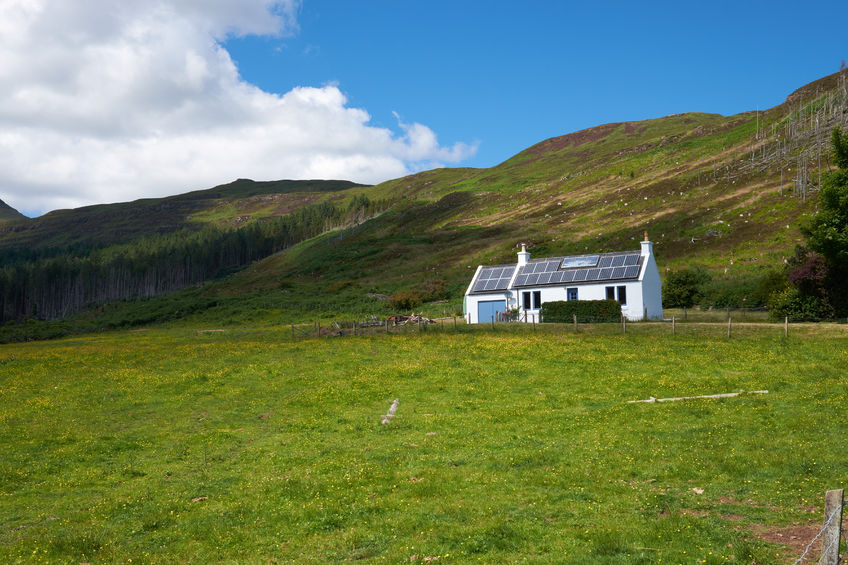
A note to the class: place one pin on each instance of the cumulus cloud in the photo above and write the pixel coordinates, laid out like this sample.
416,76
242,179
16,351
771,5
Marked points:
104,101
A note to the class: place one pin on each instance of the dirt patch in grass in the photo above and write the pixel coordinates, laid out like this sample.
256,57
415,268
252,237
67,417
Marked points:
695,513
797,537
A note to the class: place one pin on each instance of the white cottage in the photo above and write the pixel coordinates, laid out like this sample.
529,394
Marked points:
631,277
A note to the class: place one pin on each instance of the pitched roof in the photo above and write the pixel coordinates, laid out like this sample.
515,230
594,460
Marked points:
620,266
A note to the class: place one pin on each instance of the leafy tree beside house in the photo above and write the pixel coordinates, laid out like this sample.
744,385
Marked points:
684,288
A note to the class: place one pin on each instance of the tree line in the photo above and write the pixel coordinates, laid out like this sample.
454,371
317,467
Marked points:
53,282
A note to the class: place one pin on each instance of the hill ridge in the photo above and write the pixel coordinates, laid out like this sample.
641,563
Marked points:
7,213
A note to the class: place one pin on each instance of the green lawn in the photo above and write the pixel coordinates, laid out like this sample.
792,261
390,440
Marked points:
242,446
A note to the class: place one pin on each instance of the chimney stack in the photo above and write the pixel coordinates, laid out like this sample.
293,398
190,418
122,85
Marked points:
647,246
523,256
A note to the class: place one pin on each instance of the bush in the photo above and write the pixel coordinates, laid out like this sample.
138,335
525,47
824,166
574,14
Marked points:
684,288
793,303
427,291
770,283
586,311
406,299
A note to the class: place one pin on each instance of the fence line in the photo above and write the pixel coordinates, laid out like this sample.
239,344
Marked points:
828,555
673,326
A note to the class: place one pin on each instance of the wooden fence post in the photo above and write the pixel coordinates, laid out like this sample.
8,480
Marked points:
534,322
292,332
623,324
673,326
454,323
833,527
728,326
575,322
318,329
354,327
493,323
387,325
786,327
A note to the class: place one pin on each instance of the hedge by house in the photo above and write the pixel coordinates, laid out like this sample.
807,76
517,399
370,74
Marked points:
586,311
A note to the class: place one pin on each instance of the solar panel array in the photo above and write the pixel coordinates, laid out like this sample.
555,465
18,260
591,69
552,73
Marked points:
493,278
582,269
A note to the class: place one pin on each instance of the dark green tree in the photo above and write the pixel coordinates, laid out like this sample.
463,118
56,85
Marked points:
684,288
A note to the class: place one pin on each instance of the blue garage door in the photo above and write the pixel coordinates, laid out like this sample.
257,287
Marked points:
489,308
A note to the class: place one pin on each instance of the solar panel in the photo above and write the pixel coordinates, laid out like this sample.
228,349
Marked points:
581,268
583,261
631,272
493,278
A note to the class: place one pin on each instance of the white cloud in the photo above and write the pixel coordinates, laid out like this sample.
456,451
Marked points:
104,101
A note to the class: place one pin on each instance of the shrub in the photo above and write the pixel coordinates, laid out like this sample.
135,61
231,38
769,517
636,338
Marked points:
684,288
793,303
770,283
427,291
585,310
433,290
406,299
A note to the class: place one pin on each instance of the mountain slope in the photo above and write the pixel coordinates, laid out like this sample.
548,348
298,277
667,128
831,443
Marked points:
726,193
7,213
231,204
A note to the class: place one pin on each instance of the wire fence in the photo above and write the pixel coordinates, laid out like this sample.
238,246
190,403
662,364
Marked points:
730,327
830,552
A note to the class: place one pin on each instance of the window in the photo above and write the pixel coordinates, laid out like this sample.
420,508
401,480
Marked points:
622,295
525,299
610,293
571,294
537,299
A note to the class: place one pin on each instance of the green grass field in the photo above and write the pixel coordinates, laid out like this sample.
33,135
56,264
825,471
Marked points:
176,445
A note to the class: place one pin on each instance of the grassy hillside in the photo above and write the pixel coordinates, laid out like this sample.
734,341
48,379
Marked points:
725,193
243,446
228,205
7,213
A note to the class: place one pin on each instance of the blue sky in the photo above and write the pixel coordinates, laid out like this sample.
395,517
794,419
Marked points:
509,75
107,101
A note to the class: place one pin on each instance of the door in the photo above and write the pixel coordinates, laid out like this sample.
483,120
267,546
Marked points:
489,308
